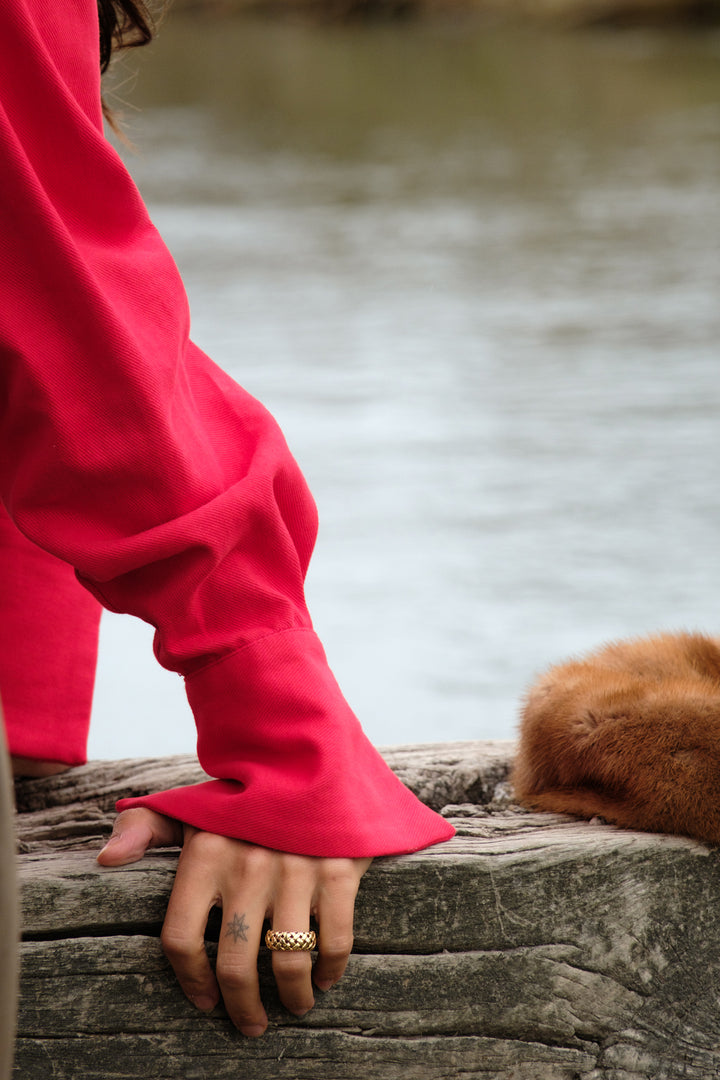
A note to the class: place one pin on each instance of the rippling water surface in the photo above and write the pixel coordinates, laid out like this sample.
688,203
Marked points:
475,275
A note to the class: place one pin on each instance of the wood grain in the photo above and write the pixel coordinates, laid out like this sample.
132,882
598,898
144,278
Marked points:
528,947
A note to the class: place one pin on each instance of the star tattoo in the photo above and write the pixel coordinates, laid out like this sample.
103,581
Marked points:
236,929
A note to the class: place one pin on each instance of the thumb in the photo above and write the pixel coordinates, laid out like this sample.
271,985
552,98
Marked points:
134,832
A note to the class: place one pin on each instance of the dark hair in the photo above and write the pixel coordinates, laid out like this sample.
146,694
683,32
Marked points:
124,24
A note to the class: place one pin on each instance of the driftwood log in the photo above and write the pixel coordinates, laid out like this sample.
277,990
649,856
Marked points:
530,947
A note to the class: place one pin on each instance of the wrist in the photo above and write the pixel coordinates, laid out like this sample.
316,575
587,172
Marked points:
22,766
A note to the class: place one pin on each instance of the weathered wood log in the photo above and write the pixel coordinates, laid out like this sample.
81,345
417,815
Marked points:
8,915
530,947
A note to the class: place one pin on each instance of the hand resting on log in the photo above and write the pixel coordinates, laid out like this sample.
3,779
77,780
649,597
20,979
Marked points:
249,883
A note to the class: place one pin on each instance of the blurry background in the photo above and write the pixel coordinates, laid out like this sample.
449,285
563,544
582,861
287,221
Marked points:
474,271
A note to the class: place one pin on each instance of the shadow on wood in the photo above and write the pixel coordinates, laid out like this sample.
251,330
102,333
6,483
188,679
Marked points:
529,947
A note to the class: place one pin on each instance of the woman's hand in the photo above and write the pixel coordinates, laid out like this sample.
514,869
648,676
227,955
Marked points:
250,884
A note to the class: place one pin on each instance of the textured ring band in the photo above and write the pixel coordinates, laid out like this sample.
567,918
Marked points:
290,940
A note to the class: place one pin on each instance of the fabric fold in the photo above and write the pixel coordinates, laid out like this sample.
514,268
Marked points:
295,770
130,456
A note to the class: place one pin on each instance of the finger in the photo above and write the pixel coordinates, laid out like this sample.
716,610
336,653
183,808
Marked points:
183,932
293,970
134,832
335,907
236,967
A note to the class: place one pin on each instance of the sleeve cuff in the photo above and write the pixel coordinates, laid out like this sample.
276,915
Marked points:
295,772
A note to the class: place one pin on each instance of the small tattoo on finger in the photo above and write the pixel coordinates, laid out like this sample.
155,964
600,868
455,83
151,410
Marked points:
237,928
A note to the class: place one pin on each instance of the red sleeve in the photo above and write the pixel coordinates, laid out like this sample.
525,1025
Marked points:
171,491
48,649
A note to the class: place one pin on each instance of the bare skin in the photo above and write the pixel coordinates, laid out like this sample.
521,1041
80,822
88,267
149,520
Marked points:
22,766
250,884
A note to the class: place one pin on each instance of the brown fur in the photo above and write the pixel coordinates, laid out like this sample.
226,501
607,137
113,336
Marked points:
630,732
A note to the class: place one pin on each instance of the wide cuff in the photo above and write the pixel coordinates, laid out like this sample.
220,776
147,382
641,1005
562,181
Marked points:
295,770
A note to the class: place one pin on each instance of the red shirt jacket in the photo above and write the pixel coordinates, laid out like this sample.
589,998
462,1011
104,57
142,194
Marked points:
127,454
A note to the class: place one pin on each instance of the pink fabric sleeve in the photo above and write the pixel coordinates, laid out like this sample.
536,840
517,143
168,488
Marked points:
130,456
48,649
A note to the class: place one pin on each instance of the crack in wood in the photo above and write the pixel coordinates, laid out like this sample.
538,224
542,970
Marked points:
532,947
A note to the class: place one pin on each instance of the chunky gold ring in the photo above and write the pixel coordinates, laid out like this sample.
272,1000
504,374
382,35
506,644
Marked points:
290,940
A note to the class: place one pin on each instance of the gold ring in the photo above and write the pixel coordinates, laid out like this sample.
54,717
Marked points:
290,940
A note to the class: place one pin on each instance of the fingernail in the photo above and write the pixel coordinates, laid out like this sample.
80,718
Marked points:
324,984
254,1031
204,1004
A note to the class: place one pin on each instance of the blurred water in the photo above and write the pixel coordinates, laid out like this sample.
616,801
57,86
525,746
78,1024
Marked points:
475,275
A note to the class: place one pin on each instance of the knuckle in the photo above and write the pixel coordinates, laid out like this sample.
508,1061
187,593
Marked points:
257,860
338,882
342,880
337,947
206,845
292,965
294,869
175,944
235,974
